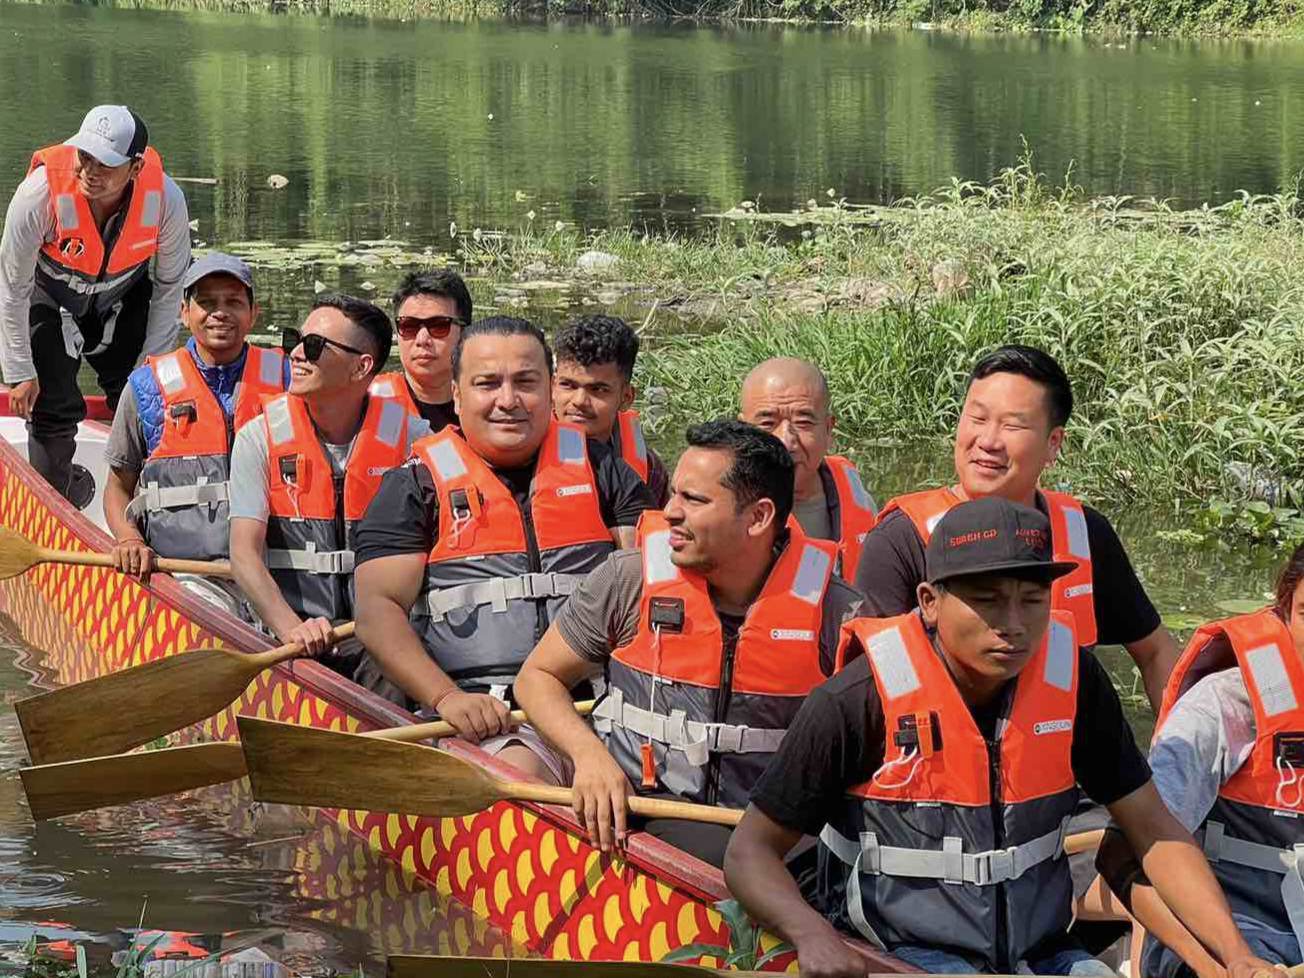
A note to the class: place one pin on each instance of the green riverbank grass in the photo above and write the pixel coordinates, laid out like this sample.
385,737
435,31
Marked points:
1183,332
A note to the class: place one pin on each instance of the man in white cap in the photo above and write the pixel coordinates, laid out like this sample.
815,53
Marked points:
96,241
169,453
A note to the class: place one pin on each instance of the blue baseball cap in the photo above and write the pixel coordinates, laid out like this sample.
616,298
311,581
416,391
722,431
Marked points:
218,263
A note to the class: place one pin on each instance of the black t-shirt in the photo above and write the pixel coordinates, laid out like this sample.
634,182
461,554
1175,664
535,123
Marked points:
837,741
440,416
403,517
892,565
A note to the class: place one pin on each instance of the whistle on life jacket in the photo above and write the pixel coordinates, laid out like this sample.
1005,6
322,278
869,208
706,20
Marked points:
921,732
649,765
183,415
294,471
465,506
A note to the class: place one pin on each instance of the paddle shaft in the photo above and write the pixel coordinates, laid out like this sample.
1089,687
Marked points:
442,728
647,807
258,661
168,565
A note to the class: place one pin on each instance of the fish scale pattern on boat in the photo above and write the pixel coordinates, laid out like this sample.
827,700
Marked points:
539,882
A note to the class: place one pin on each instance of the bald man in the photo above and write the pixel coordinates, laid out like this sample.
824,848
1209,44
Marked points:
790,398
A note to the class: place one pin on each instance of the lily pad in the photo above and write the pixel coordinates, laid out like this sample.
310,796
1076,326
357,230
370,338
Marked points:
1240,606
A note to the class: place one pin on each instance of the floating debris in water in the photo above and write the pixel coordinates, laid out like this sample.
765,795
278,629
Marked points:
370,254
278,182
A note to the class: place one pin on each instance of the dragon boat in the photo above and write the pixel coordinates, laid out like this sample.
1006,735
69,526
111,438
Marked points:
516,879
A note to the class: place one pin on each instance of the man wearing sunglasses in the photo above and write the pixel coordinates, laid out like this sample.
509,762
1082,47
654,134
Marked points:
96,241
430,309
594,388
482,537
304,473
169,453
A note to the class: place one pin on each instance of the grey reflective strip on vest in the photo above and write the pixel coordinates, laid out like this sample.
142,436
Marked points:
151,209
390,428
1060,653
892,665
812,572
271,368
448,464
279,422
382,388
169,374
858,492
498,591
1218,847
950,864
312,561
65,206
1269,676
640,445
697,741
153,498
657,565
75,282
570,446
1076,521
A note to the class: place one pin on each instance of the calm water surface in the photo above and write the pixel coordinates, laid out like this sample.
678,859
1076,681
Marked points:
393,129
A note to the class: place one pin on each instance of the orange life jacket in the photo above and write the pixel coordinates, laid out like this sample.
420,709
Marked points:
1074,592
394,385
77,246
182,492
682,716
493,584
310,517
855,512
932,856
1256,827
630,441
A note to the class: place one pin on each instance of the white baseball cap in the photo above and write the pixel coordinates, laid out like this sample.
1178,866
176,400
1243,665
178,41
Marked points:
113,134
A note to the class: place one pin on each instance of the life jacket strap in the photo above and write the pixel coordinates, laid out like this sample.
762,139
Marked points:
312,561
153,498
1220,847
82,286
697,741
499,591
950,864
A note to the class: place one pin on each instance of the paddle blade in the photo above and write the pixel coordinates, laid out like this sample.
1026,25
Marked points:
297,765
433,966
122,710
98,782
18,554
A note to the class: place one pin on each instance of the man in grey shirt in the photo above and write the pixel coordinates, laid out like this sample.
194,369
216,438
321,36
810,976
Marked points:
96,241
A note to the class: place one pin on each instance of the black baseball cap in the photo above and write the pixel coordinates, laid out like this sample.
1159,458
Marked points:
992,536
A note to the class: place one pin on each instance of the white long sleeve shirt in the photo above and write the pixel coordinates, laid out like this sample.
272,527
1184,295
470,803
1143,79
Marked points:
29,224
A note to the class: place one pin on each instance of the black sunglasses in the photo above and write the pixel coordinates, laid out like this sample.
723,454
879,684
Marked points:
313,344
437,326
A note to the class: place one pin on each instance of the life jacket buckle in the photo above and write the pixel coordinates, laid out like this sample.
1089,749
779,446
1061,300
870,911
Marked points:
1288,748
667,614
920,731
183,415
293,471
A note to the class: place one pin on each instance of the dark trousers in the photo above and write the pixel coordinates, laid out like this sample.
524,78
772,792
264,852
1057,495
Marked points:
52,431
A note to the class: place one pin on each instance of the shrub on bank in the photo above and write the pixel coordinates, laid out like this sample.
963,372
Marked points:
1183,334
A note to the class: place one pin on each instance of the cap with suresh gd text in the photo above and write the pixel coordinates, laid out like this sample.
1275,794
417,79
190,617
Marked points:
992,536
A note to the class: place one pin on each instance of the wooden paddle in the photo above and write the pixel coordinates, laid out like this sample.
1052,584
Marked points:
18,555
99,782
131,707
306,766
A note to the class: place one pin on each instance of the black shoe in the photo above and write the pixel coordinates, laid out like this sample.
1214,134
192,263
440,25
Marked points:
81,488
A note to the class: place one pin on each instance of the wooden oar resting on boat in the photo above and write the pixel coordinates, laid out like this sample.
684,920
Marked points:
125,709
18,555
99,782
327,769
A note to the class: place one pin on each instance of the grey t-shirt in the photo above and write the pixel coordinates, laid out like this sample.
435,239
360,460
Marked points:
1202,743
249,496
126,447
813,516
602,613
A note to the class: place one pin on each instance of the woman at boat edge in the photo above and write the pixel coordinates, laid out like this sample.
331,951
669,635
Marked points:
1219,759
